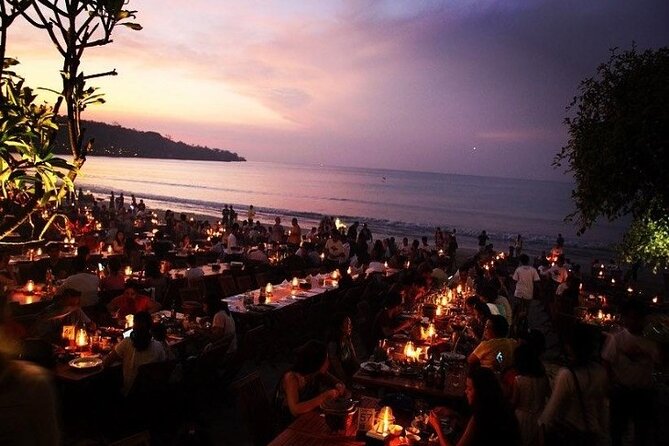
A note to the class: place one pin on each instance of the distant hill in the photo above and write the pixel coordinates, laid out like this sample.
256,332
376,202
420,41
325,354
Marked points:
117,141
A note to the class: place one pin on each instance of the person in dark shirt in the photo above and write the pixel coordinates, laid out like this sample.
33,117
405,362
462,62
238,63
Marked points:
387,322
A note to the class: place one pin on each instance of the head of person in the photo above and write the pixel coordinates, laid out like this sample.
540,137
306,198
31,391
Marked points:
633,315
526,361
120,237
311,358
141,331
191,260
342,327
490,409
393,303
83,252
496,327
114,265
185,240
481,311
277,220
294,221
405,241
581,345
524,259
132,290
79,265
560,260
463,272
488,293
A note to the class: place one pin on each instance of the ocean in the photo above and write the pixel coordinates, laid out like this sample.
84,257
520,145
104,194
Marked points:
393,202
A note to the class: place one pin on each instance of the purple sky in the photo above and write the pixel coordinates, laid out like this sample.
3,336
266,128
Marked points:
403,85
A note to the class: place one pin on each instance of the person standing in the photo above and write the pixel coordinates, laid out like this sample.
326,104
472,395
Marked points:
251,214
630,359
277,231
525,277
295,234
483,240
226,216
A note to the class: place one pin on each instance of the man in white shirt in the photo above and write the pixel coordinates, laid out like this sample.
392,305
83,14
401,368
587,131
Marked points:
525,277
84,282
232,247
630,359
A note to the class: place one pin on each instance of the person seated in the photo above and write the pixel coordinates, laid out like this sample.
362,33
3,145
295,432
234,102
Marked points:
28,399
223,332
118,244
139,349
115,280
65,309
299,390
341,352
132,301
497,304
185,244
82,281
495,350
193,272
387,322
481,313
492,421
258,255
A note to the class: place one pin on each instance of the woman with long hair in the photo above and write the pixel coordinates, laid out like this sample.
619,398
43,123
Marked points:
299,390
341,352
530,392
492,420
577,411
138,349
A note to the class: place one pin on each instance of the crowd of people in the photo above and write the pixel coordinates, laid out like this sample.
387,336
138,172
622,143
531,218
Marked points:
510,397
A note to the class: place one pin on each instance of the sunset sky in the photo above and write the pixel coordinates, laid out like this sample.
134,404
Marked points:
472,87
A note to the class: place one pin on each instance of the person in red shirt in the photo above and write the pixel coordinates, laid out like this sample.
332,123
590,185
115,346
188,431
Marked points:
132,301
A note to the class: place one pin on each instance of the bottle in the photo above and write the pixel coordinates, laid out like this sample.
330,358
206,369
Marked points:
441,376
262,297
173,313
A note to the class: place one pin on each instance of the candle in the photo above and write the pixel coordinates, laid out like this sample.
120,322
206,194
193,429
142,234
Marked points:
613,281
655,299
385,265
322,256
335,274
109,249
197,247
39,251
438,312
295,282
82,338
459,289
630,290
30,286
349,271
128,270
600,315
268,289
409,350
385,416
129,321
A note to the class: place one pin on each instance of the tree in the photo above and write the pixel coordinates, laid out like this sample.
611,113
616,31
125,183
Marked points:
73,26
618,150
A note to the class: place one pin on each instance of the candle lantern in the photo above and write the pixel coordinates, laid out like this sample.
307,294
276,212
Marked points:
82,338
384,420
129,321
109,249
30,286
269,289
385,265
39,251
128,271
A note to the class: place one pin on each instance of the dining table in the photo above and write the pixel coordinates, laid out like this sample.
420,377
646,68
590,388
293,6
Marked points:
310,429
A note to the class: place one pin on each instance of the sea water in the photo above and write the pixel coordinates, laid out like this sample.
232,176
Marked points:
392,202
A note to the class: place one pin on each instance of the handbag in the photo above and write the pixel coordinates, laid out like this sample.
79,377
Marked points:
564,433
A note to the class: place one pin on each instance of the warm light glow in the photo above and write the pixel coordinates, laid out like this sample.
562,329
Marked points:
655,299
459,289
439,311
322,256
30,286
600,314
39,251
385,417
296,282
197,247
268,289
349,271
82,338
630,290
129,321
68,332
109,249
29,300
128,270
385,265
335,274
409,350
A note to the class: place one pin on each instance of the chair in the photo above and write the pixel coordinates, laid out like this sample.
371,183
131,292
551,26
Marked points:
244,283
228,286
139,439
255,408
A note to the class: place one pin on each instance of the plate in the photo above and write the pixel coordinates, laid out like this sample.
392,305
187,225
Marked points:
85,363
375,367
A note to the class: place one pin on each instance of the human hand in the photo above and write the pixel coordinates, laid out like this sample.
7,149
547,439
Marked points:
330,394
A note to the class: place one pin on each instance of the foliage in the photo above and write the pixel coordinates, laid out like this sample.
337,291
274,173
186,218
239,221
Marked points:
647,239
618,138
618,148
28,167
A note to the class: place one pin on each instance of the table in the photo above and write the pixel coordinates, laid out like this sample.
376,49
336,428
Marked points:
281,297
310,429
454,388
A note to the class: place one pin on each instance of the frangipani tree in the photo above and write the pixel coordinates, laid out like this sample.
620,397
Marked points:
30,176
